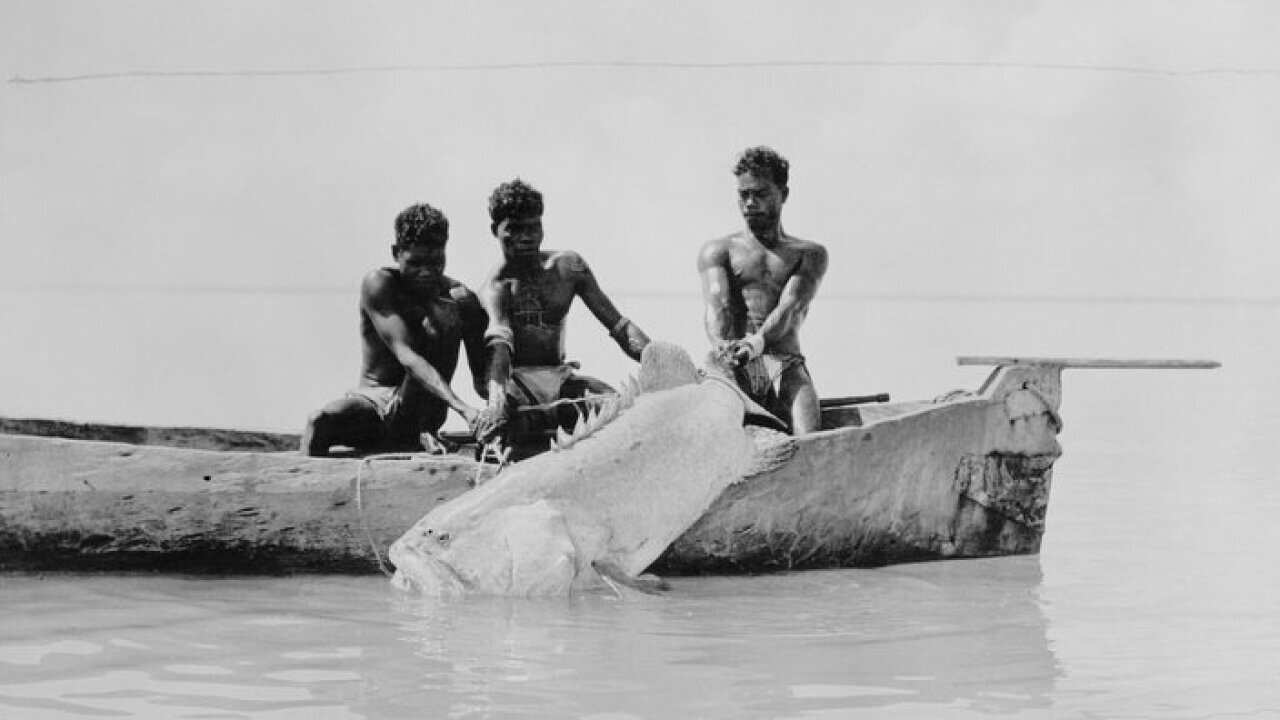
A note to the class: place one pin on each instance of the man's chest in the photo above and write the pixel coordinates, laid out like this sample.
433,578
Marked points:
439,318
539,301
767,267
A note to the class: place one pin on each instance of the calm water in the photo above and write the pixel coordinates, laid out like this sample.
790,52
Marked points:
1156,594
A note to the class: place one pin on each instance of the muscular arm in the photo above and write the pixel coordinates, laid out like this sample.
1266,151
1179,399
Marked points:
713,268
498,336
793,303
474,324
378,300
627,334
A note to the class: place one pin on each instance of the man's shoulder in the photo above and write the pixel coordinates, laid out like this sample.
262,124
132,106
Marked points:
458,290
812,255
564,261
718,250
379,280
806,247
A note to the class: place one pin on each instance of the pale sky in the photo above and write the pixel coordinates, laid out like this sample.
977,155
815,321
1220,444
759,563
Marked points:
989,171
939,148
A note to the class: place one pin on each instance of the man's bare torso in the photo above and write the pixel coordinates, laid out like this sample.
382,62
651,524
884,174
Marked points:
436,322
533,299
757,276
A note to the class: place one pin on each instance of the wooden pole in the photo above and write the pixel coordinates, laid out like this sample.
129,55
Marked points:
1095,363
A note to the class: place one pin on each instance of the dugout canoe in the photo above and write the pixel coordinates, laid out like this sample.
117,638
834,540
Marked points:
965,475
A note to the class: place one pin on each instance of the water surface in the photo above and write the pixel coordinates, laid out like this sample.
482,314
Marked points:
1155,595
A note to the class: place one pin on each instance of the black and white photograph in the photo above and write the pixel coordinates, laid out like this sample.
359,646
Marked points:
629,360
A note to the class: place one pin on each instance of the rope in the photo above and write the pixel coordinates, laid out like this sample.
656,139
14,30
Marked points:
492,450
667,65
364,521
566,401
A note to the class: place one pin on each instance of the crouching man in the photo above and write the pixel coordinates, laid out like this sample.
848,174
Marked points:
527,298
413,319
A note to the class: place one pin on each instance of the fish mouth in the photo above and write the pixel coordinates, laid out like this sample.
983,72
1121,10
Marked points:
424,572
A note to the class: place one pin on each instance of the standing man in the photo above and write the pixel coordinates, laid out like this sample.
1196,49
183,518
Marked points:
527,297
413,318
757,284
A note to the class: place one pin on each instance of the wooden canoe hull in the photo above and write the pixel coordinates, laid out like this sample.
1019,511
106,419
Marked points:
964,477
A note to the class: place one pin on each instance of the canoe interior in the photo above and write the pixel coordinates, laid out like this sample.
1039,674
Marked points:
225,439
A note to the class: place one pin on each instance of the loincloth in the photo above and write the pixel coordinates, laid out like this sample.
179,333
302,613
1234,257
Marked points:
543,397
761,377
387,400
402,411
538,384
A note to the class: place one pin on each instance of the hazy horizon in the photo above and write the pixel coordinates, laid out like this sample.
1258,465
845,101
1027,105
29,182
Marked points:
167,170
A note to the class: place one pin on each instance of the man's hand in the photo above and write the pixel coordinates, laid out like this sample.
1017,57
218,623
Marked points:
472,416
488,422
744,350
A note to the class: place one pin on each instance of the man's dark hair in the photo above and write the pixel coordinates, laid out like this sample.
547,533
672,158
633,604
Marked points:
421,225
514,199
765,162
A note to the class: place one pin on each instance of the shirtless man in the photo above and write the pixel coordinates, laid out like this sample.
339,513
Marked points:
527,297
412,319
757,284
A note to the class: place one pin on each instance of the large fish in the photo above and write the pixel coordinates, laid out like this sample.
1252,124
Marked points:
604,503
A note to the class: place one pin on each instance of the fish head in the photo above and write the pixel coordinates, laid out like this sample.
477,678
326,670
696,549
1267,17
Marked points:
718,366
664,366
424,558
522,549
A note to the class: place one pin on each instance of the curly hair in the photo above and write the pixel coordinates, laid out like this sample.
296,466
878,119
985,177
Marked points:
765,162
421,225
514,199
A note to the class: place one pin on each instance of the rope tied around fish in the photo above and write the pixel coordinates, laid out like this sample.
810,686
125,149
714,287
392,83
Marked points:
491,452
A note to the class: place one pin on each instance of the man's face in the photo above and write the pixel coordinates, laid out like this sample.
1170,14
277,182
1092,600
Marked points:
520,236
760,201
421,265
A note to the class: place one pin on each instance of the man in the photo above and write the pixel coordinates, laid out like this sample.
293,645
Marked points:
757,284
413,318
527,297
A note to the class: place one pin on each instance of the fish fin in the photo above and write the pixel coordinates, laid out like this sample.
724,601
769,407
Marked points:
627,398
613,575
664,366
770,450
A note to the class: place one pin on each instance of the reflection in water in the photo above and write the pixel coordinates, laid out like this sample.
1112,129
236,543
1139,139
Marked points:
1157,600
956,636
960,634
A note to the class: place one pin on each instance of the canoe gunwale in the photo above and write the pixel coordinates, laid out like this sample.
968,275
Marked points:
863,494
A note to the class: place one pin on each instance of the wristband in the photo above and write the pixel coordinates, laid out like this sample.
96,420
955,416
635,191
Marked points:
619,327
500,336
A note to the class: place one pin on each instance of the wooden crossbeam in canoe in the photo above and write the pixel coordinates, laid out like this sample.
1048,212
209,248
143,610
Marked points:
1096,363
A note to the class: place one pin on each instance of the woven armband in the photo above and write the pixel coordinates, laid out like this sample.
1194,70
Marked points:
500,336
619,329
